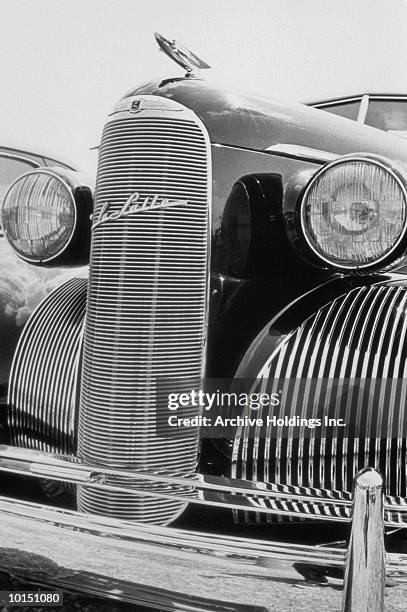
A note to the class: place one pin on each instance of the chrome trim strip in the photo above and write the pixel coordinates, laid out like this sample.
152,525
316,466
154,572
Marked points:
334,102
214,491
387,97
304,153
233,502
26,160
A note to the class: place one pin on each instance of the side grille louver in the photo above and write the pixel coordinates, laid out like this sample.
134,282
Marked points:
44,378
360,336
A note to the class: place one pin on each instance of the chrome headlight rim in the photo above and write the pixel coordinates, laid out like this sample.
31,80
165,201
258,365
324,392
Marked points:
73,251
390,258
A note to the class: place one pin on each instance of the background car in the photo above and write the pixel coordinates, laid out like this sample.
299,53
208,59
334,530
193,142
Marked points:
386,112
22,287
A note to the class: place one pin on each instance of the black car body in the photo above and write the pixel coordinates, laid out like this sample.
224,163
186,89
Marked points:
199,266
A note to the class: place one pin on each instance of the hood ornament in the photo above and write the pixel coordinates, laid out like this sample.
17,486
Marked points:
181,55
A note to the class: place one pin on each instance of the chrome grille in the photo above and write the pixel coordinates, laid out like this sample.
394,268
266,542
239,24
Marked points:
147,303
358,336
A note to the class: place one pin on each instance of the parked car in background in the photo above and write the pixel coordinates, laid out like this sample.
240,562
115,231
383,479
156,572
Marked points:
21,286
386,112
226,336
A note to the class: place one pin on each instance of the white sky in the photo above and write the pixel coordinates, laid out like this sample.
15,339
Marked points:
63,63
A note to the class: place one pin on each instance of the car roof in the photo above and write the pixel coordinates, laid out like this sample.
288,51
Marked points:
15,145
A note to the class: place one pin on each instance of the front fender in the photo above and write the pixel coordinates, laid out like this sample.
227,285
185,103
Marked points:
298,310
22,288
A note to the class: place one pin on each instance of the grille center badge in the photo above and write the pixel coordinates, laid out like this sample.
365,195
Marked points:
135,106
146,103
134,204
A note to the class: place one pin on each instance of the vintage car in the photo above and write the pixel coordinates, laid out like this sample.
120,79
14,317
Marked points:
199,359
383,111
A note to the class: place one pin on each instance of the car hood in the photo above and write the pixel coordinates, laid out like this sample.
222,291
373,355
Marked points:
242,120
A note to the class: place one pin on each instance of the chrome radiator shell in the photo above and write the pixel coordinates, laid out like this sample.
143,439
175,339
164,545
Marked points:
147,301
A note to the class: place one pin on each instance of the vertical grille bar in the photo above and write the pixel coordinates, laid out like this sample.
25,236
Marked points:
147,303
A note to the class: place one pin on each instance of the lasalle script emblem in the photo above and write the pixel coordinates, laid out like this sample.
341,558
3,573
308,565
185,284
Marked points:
134,204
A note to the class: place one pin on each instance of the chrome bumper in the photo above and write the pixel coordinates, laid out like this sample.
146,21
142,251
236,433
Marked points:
168,568
175,569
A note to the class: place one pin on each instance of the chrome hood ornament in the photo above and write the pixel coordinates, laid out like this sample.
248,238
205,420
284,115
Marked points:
181,55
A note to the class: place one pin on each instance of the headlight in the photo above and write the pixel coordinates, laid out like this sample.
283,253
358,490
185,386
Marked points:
236,227
45,217
354,213
251,233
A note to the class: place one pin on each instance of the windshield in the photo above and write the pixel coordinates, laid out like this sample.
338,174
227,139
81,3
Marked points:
388,115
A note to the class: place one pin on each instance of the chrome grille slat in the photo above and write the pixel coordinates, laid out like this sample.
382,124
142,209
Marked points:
147,305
